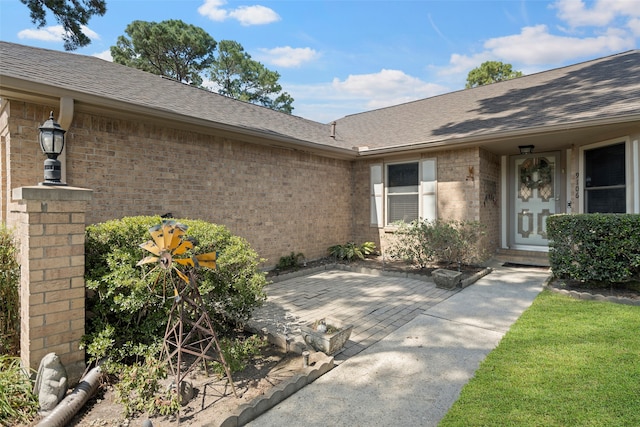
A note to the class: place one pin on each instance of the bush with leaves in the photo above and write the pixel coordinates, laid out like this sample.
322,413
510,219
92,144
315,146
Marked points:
18,404
129,306
595,247
351,251
139,387
9,294
290,262
237,353
426,243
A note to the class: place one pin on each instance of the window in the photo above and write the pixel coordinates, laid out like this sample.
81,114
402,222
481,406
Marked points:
604,182
403,192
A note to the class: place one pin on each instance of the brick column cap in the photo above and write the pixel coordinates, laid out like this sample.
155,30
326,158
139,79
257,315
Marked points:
52,192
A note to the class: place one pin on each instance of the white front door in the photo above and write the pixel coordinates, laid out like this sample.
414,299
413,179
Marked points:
535,197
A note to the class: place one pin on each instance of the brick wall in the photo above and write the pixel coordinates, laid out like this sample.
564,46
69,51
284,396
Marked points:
459,197
490,196
279,200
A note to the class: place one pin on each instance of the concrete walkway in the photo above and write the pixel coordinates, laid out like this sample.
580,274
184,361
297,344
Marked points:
409,371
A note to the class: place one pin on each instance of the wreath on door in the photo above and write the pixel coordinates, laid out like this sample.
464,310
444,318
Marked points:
536,173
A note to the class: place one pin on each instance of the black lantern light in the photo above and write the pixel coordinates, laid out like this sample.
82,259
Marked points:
52,143
526,149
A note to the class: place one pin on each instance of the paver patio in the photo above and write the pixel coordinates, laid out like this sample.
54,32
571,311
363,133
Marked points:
374,305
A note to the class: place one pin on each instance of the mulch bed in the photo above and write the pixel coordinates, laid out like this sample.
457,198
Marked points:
377,263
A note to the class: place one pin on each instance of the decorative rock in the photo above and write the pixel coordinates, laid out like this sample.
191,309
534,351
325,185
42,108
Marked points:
446,279
51,382
186,391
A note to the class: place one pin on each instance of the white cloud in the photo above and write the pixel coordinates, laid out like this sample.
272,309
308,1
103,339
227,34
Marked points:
388,87
329,101
535,45
605,27
461,64
603,12
246,15
254,15
211,9
535,49
287,56
54,33
106,55
48,34
634,26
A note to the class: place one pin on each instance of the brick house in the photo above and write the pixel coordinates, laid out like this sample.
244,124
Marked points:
149,145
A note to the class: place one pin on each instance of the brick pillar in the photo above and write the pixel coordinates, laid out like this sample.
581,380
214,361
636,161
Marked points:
50,225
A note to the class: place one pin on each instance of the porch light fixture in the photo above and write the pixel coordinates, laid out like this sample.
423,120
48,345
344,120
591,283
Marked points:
526,149
52,143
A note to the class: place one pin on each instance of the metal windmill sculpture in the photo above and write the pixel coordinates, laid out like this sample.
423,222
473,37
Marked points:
189,328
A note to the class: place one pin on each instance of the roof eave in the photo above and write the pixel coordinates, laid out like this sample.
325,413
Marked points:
479,139
14,88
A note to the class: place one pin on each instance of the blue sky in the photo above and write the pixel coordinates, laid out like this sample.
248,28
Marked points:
343,57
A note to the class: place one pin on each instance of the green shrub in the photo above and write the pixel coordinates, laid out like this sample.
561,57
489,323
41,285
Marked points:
350,250
595,247
290,262
237,353
9,294
426,243
139,388
129,305
18,404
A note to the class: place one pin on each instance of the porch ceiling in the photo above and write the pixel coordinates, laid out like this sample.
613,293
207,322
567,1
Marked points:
560,138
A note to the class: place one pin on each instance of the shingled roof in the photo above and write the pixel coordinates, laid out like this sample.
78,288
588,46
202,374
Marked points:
598,90
92,80
606,89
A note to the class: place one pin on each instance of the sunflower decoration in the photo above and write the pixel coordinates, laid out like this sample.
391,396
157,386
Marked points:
167,244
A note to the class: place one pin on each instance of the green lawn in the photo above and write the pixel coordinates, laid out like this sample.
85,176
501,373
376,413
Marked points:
565,362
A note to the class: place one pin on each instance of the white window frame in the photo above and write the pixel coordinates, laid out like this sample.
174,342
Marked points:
399,192
427,191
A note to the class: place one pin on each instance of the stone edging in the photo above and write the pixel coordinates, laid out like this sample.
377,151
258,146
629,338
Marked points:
471,280
250,411
591,297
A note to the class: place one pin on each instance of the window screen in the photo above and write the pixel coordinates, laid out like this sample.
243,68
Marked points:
402,192
403,175
604,182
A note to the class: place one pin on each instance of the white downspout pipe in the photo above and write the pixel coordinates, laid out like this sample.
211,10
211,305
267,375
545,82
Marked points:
65,117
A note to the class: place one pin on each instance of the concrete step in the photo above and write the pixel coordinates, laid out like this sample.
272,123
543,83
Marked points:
514,256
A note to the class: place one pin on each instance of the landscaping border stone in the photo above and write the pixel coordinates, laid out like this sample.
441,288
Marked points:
587,296
320,364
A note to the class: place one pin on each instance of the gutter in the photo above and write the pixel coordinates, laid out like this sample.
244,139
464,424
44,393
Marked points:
16,88
65,117
479,139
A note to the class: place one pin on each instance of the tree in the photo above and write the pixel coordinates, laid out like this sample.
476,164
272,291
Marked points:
184,52
71,14
491,72
169,48
240,77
